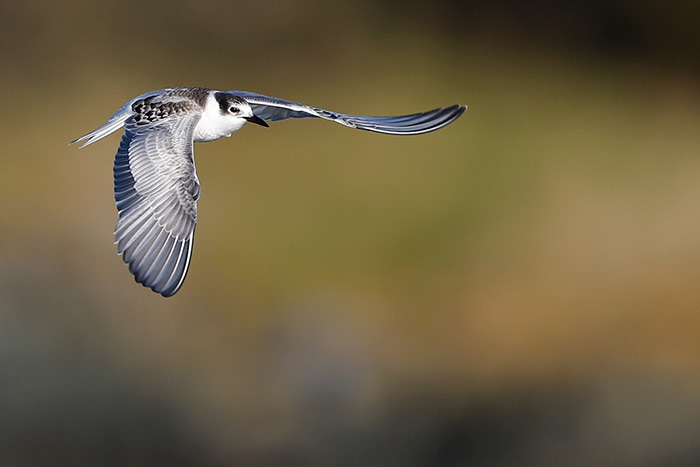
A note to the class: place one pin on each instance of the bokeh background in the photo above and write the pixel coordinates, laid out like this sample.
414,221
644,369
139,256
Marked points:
519,288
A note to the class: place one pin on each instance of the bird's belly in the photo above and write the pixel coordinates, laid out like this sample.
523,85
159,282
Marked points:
204,136
208,130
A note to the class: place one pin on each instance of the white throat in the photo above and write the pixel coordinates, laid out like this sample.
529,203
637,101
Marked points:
213,125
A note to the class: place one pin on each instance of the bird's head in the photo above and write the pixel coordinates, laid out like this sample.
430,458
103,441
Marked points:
237,108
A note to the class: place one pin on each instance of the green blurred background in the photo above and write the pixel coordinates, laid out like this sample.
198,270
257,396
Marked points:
519,288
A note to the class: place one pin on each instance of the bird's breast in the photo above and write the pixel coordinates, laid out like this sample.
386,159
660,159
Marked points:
214,125
209,129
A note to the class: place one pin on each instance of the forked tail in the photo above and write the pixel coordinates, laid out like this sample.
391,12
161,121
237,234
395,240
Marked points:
113,124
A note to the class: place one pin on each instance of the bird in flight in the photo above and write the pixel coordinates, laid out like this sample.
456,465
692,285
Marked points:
155,181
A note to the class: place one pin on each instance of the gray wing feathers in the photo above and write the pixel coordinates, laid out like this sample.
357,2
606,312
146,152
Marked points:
274,109
156,190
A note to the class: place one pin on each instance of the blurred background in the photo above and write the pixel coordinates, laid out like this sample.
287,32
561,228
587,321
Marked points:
518,288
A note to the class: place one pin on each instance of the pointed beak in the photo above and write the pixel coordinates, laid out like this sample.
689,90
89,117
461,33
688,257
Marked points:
258,120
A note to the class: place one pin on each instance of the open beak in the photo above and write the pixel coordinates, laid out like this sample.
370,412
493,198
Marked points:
258,120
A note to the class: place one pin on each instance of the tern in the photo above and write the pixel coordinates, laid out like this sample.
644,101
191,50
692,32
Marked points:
155,182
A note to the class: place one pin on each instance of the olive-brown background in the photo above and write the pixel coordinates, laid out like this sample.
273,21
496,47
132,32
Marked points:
519,288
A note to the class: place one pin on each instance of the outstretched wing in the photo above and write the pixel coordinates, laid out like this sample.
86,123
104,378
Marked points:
156,190
273,109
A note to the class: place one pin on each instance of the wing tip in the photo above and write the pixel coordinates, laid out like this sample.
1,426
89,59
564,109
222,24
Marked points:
414,124
170,279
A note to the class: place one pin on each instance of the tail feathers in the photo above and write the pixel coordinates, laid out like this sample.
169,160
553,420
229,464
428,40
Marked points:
112,125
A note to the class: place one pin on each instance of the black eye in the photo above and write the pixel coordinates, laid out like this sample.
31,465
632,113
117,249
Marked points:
234,110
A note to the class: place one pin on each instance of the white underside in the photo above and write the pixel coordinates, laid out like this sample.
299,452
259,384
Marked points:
213,125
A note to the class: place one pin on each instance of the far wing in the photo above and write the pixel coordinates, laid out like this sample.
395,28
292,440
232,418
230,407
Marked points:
274,109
